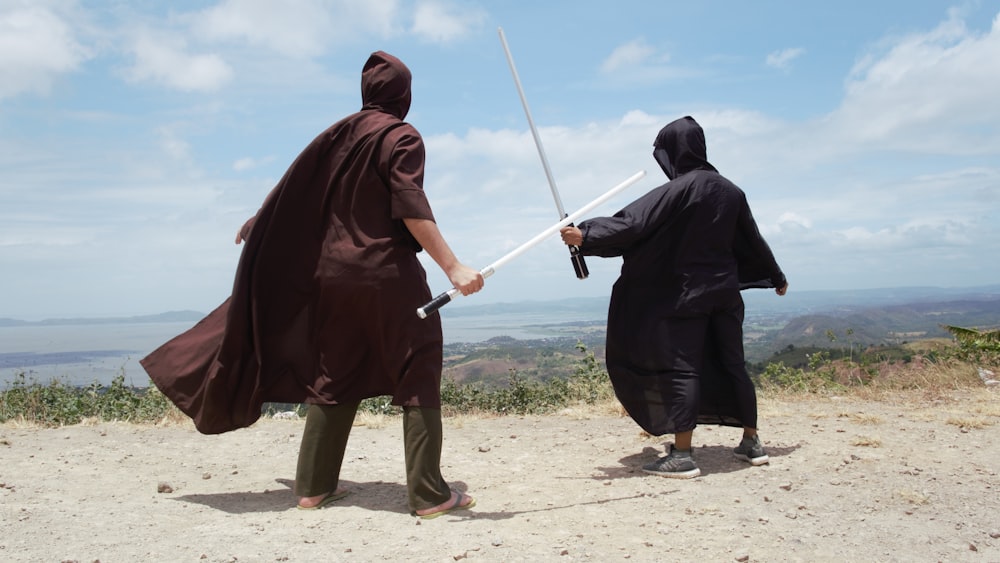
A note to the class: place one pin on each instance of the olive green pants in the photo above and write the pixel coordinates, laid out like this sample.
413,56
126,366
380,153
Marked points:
324,442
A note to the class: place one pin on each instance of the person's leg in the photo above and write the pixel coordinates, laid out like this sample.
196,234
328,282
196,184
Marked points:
321,453
682,440
727,330
681,342
423,436
679,463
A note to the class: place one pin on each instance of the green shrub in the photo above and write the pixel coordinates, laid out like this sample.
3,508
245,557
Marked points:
58,404
812,371
975,345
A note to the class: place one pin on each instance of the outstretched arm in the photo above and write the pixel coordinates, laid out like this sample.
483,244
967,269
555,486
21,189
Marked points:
462,277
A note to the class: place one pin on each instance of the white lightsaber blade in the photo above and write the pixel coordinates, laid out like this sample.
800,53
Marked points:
579,265
444,298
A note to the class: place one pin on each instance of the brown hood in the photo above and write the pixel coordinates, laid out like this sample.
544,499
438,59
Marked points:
385,85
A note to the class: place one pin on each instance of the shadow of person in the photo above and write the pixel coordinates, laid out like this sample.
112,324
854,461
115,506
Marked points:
242,502
631,465
478,514
378,496
710,459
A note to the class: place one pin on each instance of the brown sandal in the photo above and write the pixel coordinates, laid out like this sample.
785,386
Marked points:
457,505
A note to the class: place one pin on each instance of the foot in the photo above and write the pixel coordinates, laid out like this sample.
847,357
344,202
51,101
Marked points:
750,449
319,501
675,465
458,501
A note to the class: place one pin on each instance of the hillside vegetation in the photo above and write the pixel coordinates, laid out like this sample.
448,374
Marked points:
926,345
572,379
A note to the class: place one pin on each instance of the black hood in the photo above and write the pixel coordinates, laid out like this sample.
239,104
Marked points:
680,148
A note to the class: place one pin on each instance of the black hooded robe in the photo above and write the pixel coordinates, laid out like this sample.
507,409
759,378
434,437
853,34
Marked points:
688,248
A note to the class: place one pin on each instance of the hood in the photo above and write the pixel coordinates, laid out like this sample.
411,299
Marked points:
680,148
385,85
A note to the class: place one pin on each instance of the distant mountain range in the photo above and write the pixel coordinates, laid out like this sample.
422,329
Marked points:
168,317
833,304
760,301
890,324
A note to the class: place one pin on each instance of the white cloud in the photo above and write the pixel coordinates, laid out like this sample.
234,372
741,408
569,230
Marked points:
869,193
296,28
947,75
637,64
442,22
793,220
783,59
249,163
244,164
173,146
37,45
919,236
631,54
164,60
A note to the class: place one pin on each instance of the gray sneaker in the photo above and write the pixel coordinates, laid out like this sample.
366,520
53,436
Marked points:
676,465
750,449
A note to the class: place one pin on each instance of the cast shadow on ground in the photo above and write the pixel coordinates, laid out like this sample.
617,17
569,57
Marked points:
478,514
378,496
710,459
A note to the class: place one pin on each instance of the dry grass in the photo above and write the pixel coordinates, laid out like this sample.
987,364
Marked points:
866,442
913,497
969,423
865,418
371,420
923,416
988,409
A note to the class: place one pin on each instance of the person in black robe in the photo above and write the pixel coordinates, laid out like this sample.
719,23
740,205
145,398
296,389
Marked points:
675,321
322,309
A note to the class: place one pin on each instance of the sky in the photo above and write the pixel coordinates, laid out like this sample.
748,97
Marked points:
137,137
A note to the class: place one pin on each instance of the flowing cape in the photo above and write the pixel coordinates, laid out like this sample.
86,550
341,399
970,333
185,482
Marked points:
255,347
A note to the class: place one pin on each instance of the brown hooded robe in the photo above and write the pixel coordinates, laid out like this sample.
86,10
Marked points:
322,308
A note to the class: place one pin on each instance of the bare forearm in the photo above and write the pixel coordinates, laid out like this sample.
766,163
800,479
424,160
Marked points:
430,238
464,278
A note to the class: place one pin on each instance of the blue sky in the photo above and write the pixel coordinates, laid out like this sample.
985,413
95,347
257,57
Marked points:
136,137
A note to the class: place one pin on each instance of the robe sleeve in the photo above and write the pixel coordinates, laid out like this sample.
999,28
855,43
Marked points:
757,265
405,174
613,236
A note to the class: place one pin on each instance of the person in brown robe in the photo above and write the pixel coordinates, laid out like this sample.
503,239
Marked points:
323,306
675,321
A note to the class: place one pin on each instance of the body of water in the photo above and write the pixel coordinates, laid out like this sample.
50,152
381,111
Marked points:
84,354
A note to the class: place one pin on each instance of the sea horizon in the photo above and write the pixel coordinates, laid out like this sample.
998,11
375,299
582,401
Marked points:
80,353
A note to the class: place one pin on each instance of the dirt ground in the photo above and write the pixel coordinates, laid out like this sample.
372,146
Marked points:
913,479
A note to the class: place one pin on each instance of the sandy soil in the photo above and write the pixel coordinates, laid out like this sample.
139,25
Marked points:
849,480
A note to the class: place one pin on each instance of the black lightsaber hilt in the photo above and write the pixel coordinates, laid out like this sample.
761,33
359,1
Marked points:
434,304
576,256
579,264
